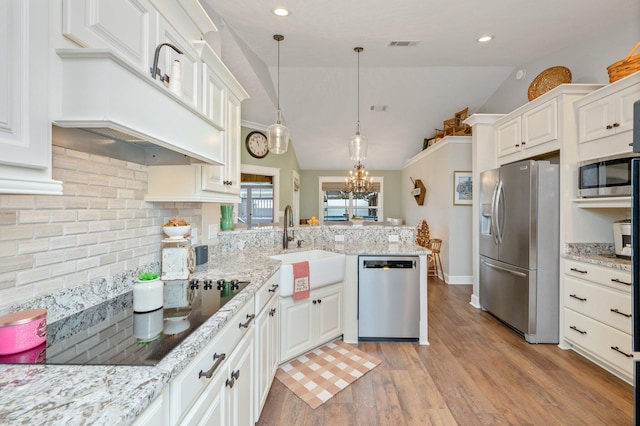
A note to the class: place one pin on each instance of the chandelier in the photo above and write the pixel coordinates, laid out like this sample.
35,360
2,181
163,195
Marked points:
359,184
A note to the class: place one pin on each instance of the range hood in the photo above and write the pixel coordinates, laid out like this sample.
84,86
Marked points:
106,106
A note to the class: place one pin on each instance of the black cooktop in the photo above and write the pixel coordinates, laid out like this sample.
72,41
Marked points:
111,333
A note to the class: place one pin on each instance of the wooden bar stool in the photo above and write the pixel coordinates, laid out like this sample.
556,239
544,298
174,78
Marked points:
434,246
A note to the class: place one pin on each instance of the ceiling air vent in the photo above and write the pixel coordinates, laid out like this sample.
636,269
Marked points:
403,43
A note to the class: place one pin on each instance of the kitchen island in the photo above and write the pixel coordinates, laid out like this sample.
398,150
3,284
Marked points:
101,395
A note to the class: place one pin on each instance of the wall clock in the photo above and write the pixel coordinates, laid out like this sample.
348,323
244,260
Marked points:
257,144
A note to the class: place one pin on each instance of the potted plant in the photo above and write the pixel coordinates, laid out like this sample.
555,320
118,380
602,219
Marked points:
148,292
176,228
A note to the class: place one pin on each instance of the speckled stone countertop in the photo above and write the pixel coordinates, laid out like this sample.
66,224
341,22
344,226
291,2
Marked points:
597,253
109,395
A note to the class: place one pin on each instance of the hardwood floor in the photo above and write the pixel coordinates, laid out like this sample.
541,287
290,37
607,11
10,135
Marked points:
475,371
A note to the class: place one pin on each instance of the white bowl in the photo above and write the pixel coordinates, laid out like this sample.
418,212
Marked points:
176,232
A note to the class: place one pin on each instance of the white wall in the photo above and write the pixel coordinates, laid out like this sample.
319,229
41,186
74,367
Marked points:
588,61
452,224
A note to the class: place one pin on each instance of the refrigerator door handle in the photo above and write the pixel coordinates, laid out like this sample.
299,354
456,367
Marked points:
499,213
493,222
516,273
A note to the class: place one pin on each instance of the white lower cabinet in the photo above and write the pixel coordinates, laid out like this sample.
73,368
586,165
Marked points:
267,339
307,323
598,315
217,387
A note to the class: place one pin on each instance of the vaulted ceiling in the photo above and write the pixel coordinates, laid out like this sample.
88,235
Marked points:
445,70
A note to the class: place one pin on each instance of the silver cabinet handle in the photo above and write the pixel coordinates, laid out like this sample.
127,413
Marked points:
516,273
218,360
250,318
272,312
616,311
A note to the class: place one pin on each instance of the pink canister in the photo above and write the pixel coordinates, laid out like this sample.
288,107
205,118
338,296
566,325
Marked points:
20,331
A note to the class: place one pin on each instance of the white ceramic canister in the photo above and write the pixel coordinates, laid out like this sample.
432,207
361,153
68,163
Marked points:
148,295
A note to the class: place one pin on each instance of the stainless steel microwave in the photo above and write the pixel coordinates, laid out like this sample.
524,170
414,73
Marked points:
606,177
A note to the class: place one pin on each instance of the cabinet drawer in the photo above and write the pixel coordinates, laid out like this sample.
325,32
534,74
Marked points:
266,292
613,278
190,383
602,304
608,344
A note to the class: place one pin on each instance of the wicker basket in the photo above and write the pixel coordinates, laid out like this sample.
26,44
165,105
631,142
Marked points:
547,80
625,67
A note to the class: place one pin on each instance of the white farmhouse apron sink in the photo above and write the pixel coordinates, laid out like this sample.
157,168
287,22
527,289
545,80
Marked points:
325,268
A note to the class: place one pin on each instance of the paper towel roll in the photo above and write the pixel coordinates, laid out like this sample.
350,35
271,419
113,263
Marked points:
175,81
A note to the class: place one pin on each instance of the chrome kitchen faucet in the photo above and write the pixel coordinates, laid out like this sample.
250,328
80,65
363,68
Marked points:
288,220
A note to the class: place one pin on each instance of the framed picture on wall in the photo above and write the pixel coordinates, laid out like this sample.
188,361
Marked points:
462,188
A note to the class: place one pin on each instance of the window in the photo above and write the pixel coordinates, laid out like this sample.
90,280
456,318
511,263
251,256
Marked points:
256,204
336,206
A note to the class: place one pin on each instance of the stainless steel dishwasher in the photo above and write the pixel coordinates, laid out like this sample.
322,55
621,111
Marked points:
388,298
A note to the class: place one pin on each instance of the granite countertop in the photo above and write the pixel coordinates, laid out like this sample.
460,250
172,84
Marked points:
598,254
108,395
608,260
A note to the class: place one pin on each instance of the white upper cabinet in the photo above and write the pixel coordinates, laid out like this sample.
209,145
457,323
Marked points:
122,25
540,126
25,130
605,118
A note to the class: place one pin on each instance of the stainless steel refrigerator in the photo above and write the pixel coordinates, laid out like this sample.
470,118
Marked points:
519,247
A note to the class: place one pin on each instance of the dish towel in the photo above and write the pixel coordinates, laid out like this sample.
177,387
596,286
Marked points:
301,285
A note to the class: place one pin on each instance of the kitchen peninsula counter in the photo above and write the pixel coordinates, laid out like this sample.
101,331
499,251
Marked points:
108,395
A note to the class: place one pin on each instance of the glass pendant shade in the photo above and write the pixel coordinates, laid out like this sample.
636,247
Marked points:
278,137
358,147
278,134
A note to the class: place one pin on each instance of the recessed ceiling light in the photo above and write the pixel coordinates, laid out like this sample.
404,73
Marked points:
280,11
484,38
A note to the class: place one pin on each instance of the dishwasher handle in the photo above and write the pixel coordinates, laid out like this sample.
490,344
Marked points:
389,264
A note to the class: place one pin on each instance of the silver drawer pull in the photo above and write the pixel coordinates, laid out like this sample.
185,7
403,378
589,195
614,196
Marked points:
617,349
616,311
615,280
218,360
582,299
580,271
573,327
273,288
250,318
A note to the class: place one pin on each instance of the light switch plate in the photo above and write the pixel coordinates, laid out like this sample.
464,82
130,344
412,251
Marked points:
393,238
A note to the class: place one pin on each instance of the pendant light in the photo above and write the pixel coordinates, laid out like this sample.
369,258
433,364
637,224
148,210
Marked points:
358,142
278,134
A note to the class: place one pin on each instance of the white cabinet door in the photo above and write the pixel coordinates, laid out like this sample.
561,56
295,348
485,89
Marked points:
267,340
329,315
240,383
211,406
25,129
508,137
232,146
191,69
214,96
121,25
540,125
608,116
296,331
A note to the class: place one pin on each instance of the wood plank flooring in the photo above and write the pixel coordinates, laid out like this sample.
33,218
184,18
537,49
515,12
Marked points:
475,371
